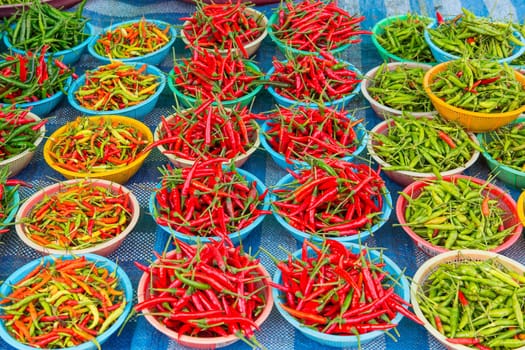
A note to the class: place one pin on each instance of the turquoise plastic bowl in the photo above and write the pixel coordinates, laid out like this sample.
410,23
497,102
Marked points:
300,236
235,237
443,56
153,58
503,172
190,101
138,111
336,104
402,289
286,49
69,56
124,283
280,160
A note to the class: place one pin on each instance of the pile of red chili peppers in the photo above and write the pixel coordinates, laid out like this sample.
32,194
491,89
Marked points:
90,145
208,132
304,133
332,198
314,78
116,86
18,131
31,77
78,216
224,26
207,290
313,25
63,303
335,291
207,200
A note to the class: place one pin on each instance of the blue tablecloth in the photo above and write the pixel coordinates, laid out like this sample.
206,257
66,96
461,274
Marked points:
275,332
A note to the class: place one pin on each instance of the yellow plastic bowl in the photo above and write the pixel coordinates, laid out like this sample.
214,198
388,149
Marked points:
119,175
472,121
520,207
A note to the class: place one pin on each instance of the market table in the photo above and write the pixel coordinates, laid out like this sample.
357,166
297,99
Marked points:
275,332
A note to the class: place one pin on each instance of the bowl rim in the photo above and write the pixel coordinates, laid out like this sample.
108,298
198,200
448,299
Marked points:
55,188
382,163
123,279
158,23
370,75
426,245
361,146
55,98
451,256
280,98
429,77
200,341
87,27
129,121
38,141
353,247
379,26
362,235
248,45
187,162
520,207
234,236
150,69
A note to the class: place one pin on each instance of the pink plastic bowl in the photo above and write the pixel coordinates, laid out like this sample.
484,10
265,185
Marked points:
506,202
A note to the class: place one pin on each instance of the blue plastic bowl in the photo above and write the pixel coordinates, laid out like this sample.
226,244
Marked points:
190,101
138,111
153,58
286,49
69,56
336,104
443,56
280,160
300,236
402,289
124,283
235,237
14,209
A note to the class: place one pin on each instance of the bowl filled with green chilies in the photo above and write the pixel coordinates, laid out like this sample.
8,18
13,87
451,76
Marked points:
479,94
410,149
468,35
65,34
458,212
401,38
392,88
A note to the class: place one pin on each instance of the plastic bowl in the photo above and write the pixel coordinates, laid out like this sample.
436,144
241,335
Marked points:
520,208
138,111
336,104
123,281
379,29
153,58
381,110
104,248
191,101
186,163
300,236
235,237
18,162
201,342
402,289
472,121
443,56
287,49
403,177
418,283
68,57
280,159
509,175
505,202
119,175
251,47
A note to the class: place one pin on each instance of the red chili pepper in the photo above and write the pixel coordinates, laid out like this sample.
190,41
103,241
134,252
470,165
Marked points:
439,18
448,140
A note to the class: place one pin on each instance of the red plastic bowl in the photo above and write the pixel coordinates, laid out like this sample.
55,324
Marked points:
506,202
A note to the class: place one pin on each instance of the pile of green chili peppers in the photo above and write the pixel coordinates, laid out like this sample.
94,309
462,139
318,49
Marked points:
507,145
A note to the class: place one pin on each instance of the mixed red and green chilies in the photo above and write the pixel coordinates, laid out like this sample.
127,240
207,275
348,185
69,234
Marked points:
212,287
